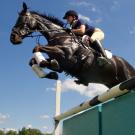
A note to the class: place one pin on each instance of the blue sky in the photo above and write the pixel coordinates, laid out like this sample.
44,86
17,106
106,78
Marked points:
26,100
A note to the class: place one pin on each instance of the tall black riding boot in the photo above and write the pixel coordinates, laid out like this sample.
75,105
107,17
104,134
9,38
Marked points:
102,60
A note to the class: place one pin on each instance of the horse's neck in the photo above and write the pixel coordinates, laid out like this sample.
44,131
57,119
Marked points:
47,28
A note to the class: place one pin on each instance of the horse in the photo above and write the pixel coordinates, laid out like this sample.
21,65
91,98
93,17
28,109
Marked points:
71,55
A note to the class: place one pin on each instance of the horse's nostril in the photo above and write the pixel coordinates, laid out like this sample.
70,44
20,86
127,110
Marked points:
15,38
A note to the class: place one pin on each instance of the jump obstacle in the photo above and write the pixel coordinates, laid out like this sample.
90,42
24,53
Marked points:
114,92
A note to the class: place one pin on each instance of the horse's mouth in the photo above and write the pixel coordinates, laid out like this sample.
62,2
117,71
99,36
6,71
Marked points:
15,39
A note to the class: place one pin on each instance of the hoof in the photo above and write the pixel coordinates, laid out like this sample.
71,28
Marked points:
44,64
32,62
52,75
55,65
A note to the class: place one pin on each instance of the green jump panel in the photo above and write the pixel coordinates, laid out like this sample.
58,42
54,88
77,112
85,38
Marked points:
118,116
82,124
115,117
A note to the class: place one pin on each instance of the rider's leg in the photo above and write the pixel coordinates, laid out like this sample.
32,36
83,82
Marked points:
95,45
98,46
102,60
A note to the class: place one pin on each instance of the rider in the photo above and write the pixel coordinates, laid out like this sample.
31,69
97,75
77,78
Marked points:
79,28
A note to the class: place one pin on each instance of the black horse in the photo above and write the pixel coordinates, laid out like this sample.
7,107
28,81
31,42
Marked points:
72,56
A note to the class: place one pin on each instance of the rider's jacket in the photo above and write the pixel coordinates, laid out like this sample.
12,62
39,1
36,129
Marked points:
89,29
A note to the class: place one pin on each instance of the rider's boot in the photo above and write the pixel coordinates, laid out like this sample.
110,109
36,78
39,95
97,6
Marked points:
102,60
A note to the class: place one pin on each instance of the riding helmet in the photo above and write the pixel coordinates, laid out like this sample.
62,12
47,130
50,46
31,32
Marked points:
71,13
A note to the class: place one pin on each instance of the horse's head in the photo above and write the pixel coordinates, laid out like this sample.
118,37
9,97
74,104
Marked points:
24,26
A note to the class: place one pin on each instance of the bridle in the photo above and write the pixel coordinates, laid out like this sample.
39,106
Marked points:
28,17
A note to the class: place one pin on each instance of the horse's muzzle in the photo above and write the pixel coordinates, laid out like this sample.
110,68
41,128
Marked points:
15,39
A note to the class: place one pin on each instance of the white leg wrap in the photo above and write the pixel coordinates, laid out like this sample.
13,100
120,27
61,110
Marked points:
38,70
39,57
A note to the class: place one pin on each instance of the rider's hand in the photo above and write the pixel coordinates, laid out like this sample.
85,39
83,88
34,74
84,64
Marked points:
68,30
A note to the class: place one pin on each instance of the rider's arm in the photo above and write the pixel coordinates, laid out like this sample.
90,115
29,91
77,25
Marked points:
97,34
80,30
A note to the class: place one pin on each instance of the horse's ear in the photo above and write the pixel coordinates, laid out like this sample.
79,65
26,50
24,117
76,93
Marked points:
24,7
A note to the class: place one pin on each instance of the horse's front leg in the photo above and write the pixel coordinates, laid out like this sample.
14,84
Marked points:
42,62
39,71
55,51
38,62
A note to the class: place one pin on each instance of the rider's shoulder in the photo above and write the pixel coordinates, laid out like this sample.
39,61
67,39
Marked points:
80,22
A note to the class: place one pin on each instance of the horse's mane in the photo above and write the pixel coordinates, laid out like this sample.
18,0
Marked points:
50,18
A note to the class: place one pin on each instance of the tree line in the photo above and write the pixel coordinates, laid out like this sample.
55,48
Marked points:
23,131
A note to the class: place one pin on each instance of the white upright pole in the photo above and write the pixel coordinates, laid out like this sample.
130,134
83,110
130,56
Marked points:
58,104
58,97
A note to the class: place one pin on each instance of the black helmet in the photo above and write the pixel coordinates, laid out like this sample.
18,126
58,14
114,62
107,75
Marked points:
71,13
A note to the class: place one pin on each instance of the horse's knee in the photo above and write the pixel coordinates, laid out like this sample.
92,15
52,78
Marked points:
32,62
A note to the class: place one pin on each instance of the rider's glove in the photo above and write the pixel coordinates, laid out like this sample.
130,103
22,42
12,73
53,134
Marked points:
68,30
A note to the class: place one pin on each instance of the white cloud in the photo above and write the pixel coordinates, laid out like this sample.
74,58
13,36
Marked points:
3,118
115,5
50,89
8,129
91,90
89,20
29,126
98,20
132,31
46,130
45,127
80,3
45,116
83,4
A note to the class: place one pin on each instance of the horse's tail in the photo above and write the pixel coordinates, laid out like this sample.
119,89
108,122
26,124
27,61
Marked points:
130,68
124,68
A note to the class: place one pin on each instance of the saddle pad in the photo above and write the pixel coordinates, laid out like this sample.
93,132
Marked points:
109,54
